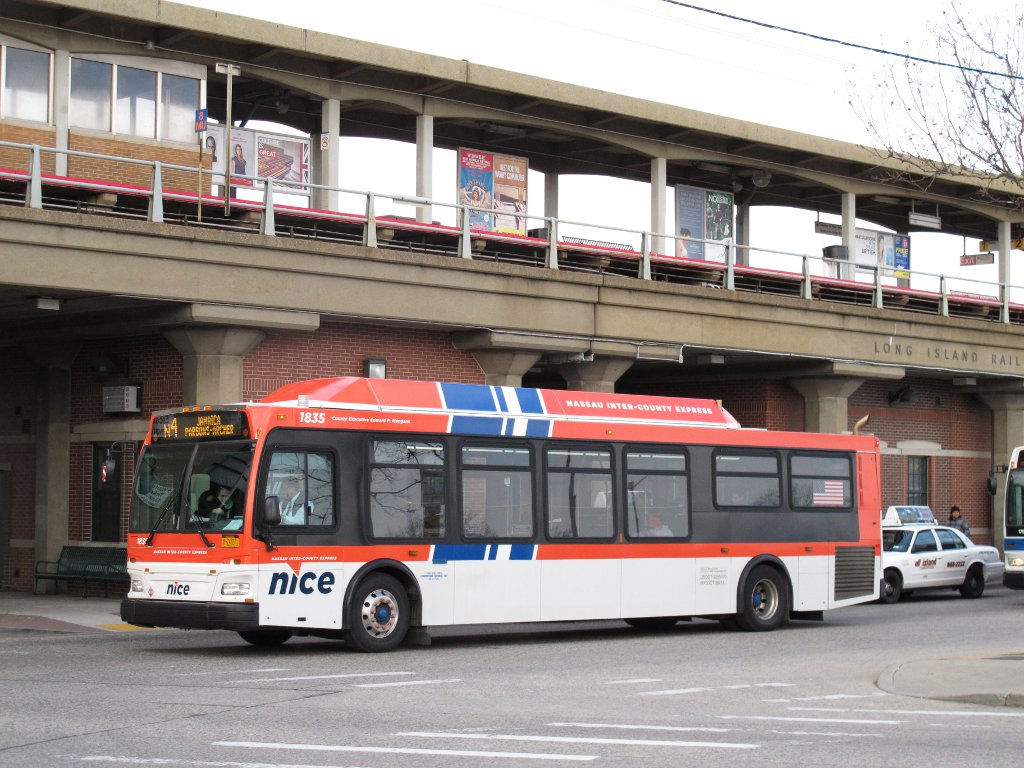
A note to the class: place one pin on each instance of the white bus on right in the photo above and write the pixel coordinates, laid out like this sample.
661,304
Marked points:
919,554
1013,520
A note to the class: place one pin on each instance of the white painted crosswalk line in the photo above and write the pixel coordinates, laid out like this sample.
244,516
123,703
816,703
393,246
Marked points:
578,740
405,751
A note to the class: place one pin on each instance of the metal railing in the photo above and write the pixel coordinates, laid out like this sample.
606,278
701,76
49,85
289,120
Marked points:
806,276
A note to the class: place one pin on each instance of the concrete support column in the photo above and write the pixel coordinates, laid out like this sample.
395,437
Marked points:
1005,270
743,233
1007,430
551,194
61,97
505,367
825,402
425,165
659,194
212,362
595,375
52,448
328,165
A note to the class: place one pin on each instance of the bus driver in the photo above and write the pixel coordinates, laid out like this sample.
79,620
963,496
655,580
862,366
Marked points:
291,494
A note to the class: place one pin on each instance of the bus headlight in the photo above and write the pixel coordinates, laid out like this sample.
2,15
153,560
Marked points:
136,585
234,588
1014,561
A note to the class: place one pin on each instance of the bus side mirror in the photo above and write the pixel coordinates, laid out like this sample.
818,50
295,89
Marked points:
992,484
272,511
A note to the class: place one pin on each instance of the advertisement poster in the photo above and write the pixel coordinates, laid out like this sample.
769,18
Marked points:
706,215
885,250
495,186
258,153
476,185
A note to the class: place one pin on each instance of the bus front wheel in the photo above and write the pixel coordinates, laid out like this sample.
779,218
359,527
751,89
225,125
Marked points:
378,617
763,600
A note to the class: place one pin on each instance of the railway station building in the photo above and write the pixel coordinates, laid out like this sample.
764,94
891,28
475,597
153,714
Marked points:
159,249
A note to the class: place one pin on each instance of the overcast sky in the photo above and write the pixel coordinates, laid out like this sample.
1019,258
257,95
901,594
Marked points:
669,53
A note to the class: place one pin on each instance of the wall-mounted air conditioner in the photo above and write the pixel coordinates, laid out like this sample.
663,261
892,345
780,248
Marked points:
122,399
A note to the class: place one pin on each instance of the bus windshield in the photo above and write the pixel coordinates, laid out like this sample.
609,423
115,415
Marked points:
1015,499
191,487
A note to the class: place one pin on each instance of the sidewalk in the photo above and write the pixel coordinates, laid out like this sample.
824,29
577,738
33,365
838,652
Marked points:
60,613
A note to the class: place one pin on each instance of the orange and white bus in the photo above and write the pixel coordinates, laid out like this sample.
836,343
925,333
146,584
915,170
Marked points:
361,508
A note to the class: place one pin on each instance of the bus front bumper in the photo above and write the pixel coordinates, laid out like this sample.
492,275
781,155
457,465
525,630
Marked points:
1013,579
185,615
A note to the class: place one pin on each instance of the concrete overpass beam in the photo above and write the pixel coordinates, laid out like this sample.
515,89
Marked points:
594,375
212,362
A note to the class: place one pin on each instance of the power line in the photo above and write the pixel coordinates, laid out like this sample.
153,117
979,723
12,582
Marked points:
822,38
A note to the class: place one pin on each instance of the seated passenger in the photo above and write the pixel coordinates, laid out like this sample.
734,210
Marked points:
655,527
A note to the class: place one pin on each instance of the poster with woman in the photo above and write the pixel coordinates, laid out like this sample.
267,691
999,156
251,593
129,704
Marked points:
476,187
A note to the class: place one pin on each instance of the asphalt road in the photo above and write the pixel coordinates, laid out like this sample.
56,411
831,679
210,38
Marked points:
598,693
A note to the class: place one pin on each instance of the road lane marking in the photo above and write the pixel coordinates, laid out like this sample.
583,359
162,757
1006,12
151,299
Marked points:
407,682
197,763
406,751
812,719
672,728
634,680
576,740
318,677
950,713
706,689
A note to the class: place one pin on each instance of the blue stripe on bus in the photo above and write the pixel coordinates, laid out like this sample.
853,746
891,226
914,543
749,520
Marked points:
1013,543
469,397
499,393
477,425
445,552
522,552
529,401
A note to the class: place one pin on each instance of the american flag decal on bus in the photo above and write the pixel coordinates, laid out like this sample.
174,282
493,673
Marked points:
829,493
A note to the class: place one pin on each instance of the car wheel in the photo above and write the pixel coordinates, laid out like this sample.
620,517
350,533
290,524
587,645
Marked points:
378,617
974,584
892,587
266,638
763,600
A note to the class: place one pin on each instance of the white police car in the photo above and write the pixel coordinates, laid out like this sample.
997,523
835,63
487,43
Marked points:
918,554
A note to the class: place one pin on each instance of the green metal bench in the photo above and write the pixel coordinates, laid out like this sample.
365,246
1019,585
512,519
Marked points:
97,565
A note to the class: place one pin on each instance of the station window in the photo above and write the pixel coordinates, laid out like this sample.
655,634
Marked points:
917,481
497,492
26,84
133,101
656,494
747,480
579,493
407,492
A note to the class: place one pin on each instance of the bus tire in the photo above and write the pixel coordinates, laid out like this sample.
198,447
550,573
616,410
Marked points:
763,600
378,616
892,586
974,583
266,638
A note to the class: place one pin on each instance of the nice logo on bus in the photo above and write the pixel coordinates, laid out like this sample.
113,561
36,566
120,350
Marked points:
288,583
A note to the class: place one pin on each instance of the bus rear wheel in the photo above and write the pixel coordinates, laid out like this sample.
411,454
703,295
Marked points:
266,638
763,600
378,617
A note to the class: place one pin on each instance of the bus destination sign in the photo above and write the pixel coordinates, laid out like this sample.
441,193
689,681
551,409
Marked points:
201,425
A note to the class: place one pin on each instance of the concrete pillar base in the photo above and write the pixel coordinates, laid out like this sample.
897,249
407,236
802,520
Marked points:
826,402
505,367
212,362
595,375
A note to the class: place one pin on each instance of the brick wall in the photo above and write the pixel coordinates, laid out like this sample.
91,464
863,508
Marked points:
137,149
18,159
